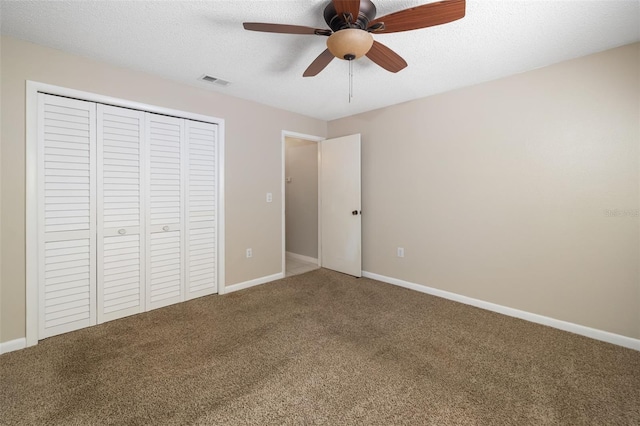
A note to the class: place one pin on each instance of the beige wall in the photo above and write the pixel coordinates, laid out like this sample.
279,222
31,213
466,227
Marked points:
499,191
301,201
496,191
252,164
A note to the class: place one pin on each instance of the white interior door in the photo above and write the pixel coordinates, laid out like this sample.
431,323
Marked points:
165,210
66,214
340,208
120,180
201,265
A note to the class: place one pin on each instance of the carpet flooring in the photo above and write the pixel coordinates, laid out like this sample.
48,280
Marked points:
320,348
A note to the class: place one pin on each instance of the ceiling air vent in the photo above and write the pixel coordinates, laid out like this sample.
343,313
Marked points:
214,80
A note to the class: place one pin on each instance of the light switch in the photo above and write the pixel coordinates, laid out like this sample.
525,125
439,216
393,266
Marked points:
269,197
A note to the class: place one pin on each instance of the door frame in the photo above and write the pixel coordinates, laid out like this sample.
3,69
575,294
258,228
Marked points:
31,219
310,138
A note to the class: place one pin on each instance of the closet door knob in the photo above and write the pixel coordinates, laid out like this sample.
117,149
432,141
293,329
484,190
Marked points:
122,231
165,228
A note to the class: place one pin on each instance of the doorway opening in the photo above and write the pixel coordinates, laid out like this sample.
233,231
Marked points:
331,199
301,249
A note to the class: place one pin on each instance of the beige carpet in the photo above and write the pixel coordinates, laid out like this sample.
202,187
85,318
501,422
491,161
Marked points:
321,348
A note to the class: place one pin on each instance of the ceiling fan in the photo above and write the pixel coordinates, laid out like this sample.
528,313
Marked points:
353,21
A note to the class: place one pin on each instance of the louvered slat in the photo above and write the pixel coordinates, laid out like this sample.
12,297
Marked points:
166,271
60,155
66,196
67,292
201,208
121,268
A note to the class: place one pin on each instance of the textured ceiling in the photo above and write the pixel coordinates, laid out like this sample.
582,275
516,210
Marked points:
182,40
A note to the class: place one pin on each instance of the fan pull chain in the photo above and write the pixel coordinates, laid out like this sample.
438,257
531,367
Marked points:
350,80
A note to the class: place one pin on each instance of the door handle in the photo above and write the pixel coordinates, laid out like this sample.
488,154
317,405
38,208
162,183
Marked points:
122,231
165,228
356,212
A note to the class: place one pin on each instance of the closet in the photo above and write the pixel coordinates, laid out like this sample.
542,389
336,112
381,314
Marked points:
127,212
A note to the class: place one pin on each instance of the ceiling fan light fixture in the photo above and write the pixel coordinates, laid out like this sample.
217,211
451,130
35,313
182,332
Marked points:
350,43
352,22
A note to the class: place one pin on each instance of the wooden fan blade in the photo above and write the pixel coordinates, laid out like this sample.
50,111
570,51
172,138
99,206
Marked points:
283,29
427,15
347,6
319,64
386,58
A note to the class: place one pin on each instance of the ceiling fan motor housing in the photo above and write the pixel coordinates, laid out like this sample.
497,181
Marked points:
336,23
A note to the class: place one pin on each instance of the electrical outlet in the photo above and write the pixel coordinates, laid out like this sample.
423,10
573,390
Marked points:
269,197
400,251
249,253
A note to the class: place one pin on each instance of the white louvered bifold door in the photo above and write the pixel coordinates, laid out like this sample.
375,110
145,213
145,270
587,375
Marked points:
67,215
121,266
165,210
201,209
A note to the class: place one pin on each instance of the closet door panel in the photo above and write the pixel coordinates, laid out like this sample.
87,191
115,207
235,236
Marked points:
165,233
121,250
66,209
201,209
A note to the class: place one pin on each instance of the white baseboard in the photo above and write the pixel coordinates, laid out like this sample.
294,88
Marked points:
253,283
301,257
582,330
13,345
